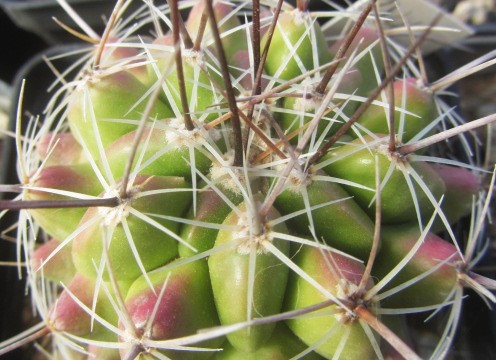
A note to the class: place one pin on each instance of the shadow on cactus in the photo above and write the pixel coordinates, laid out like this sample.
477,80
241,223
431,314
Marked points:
248,180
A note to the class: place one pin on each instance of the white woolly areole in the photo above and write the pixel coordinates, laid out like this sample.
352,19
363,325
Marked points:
301,17
90,77
193,58
305,105
344,290
180,136
114,215
247,238
222,172
401,161
295,180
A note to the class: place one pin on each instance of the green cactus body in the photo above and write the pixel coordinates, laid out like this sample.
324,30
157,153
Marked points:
179,304
53,261
368,58
355,162
296,36
69,316
337,275
229,274
60,149
106,107
200,88
130,58
433,252
251,231
102,353
157,156
282,345
330,222
211,209
233,34
154,248
462,187
296,112
415,111
54,180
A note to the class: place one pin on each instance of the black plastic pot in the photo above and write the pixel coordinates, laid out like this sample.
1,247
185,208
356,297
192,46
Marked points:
37,16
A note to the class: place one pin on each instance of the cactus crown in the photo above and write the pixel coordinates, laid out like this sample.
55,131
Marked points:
247,179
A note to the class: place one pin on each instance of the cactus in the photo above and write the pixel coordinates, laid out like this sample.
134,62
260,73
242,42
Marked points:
253,182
